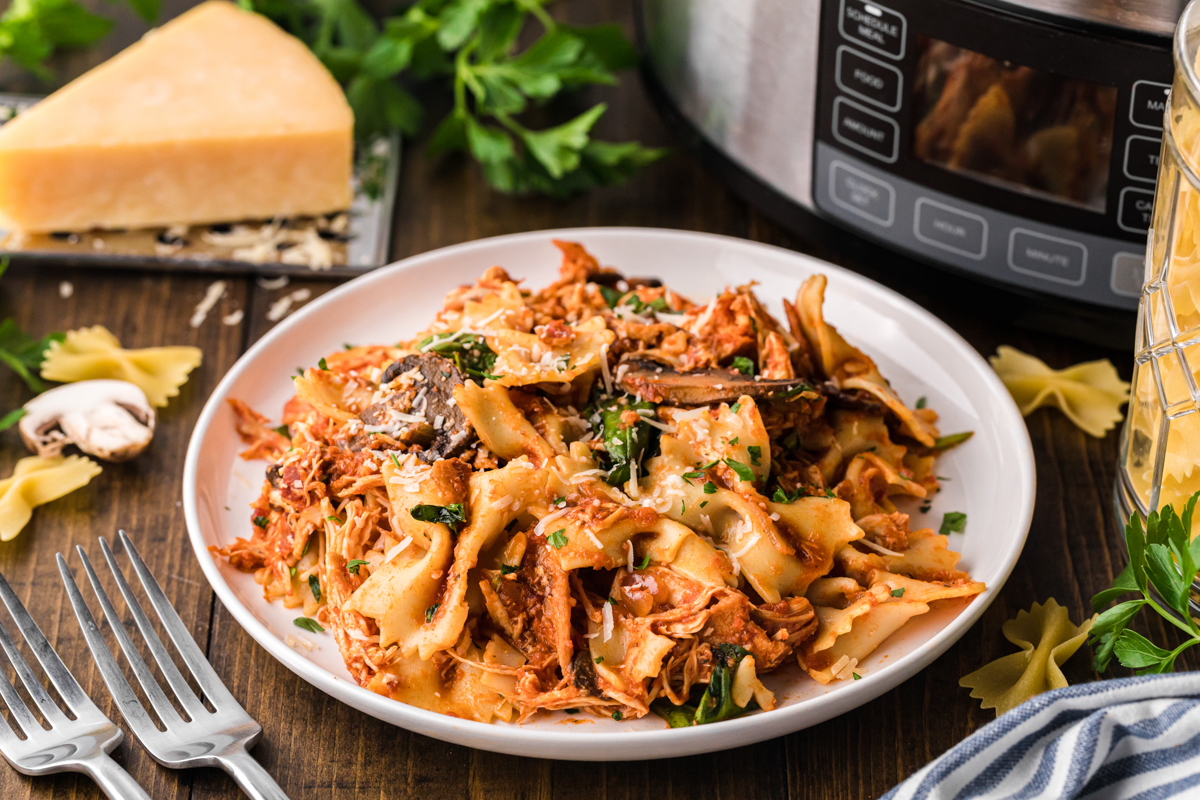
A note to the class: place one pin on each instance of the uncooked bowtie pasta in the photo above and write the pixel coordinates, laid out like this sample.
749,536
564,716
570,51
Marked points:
598,497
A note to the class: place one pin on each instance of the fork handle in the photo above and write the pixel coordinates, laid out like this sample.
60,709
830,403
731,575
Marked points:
255,781
113,780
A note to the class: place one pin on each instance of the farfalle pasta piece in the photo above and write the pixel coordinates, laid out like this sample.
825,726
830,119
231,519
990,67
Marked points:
94,352
1090,394
37,481
1047,639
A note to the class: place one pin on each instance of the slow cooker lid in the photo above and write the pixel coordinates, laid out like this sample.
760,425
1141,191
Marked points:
1143,18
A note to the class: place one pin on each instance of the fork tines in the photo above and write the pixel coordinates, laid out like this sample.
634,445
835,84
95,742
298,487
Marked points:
135,714
78,745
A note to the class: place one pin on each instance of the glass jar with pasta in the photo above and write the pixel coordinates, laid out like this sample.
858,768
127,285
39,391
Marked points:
1160,444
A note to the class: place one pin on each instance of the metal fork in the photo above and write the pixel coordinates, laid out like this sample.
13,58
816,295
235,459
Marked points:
216,739
71,745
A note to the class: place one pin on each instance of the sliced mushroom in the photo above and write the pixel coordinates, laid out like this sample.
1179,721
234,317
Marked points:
662,383
442,428
108,419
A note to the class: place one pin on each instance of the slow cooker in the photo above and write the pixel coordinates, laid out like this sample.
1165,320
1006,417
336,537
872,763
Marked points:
1015,141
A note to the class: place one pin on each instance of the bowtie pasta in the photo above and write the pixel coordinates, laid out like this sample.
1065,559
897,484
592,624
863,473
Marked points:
598,497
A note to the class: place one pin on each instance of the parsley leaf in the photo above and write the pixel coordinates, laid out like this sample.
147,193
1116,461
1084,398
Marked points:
322,365
755,454
314,585
645,562
505,569
736,407
451,515
429,612
470,353
12,418
743,472
261,521
920,402
953,522
948,441
353,564
710,488
18,350
308,624
898,592
743,365
558,539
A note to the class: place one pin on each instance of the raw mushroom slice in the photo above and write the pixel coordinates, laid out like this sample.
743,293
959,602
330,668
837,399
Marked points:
662,383
109,419
437,376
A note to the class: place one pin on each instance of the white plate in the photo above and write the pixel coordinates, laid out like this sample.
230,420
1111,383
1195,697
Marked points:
991,477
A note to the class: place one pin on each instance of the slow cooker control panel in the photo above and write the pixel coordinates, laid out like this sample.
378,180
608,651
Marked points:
991,143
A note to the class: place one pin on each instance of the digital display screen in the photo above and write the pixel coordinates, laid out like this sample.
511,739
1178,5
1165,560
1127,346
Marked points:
1013,126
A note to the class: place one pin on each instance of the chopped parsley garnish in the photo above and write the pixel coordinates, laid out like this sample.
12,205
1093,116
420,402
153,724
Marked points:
710,488
941,477
898,592
395,460
925,508
857,677
570,710
690,476
703,503
624,444
334,519
743,472
558,538
353,565
347,346
953,522
716,704
829,492
755,454
451,515
470,352
505,569
781,495
921,402
599,659
560,501
743,365
945,442
645,562
310,625
261,521
612,601
682,507
611,296
736,407
322,365
791,441
282,430
300,371
640,306
795,390
429,612
709,465
734,440
617,716
314,586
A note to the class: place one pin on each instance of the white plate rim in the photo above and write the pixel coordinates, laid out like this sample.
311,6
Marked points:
608,745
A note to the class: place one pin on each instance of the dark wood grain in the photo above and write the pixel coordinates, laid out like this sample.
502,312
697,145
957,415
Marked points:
320,748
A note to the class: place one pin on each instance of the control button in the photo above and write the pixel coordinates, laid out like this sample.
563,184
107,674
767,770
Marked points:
862,194
1134,212
950,228
1148,104
874,27
1127,273
1049,257
866,131
866,78
1141,158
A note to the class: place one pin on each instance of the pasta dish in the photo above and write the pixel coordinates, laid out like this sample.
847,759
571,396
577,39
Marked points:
598,497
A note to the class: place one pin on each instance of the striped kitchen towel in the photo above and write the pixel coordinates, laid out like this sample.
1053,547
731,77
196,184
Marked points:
1128,738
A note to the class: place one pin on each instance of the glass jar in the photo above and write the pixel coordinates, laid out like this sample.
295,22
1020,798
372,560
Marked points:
1160,443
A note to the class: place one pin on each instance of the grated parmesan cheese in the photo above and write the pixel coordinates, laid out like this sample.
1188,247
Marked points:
878,548
606,617
397,550
215,291
608,383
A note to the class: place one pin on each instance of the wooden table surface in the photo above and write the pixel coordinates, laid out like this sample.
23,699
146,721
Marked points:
319,748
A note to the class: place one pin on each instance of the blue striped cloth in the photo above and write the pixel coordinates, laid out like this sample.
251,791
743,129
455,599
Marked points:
1109,740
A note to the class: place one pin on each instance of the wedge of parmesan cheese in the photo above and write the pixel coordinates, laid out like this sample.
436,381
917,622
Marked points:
216,116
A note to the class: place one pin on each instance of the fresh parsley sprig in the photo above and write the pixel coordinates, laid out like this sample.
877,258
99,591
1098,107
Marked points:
473,43
33,30
1163,561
